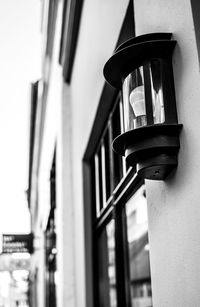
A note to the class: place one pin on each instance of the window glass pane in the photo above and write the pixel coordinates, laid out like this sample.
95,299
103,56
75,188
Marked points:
117,159
107,164
103,167
116,124
98,182
139,266
106,267
118,168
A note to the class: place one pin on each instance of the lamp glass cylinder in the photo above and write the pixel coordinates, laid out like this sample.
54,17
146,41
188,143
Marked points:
141,87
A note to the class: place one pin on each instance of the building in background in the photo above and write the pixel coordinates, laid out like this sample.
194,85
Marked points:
103,236
14,279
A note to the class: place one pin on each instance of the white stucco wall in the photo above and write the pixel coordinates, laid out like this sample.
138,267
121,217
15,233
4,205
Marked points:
99,30
65,208
52,135
173,205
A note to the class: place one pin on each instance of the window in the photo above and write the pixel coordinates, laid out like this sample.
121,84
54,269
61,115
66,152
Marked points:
119,248
109,168
116,228
120,230
138,249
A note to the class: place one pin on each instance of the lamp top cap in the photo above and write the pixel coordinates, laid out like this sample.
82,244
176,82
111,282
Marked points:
144,38
133,52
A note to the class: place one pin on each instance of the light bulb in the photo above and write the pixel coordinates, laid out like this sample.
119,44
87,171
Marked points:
137,101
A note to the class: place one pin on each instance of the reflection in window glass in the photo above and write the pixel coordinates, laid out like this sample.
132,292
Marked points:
107,165
117,160
139,266
98,182
106,267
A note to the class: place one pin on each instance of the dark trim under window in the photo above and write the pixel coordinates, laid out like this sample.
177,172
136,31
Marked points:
33,112
70,27
51,23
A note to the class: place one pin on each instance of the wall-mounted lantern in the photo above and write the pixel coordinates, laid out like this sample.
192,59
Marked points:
142,68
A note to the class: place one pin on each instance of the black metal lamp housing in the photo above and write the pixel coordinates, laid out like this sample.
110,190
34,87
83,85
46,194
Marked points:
142,68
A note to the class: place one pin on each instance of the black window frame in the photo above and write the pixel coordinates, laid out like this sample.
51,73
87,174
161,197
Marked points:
71,18
50,243
94,223
115,207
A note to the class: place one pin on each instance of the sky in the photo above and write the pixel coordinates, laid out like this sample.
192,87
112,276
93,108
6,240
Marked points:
20,64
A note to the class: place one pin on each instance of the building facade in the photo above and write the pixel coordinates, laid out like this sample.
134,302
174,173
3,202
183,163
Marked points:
102,235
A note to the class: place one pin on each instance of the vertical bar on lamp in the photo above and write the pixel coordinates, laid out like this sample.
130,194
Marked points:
147,93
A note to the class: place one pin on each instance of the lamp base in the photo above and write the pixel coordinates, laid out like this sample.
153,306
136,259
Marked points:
152,150
157,168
